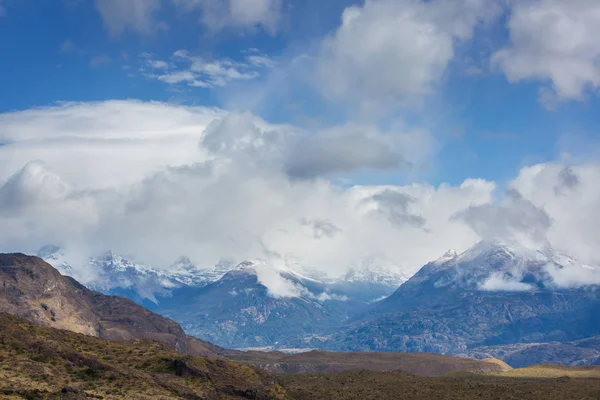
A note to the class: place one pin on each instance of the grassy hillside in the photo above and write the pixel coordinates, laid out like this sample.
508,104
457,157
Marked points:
45,363
369,385
422,364
553,371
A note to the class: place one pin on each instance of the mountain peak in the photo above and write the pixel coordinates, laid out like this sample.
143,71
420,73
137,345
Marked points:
505,266
375,270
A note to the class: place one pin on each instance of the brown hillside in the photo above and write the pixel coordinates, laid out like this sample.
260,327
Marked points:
369,385
422,364
45,363
32,289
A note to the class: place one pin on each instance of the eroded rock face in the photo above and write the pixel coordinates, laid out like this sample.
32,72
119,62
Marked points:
32,289
492,294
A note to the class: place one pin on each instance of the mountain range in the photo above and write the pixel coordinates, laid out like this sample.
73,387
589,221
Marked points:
492,294
495,299
62,340
33,290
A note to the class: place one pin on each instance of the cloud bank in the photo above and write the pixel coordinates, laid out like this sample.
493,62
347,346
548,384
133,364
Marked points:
157,182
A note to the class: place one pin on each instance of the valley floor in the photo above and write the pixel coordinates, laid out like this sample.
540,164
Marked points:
39,363
368,385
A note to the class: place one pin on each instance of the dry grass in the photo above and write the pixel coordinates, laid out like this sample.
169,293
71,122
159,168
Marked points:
422,364
504,366
369,385
46,363
553,371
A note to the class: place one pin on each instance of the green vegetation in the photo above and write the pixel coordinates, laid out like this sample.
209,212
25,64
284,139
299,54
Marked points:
45,363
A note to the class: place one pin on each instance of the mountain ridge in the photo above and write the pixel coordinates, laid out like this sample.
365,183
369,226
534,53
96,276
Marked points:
32,289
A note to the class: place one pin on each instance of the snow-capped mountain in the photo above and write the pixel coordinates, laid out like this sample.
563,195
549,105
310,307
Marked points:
111,273
369,280
259,304
501,266
54,256
494,293
376,271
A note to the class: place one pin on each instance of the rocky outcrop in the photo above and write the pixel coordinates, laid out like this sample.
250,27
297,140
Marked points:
32,289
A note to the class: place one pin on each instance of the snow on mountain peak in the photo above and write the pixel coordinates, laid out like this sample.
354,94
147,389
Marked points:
110,271
376,270
509,266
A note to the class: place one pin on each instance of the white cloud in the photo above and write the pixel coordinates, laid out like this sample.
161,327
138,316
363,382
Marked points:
570,195
199,72
352,147
389,50
107,144
576,276
498,282
158,64
554,41
134,15
158,181
516,218
217,15
277,286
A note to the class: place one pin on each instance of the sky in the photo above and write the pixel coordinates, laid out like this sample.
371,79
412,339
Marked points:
324,134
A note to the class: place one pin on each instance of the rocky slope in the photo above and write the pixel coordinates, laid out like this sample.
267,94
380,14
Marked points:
257,305
489,295
111,273
44,363
585,352
32,289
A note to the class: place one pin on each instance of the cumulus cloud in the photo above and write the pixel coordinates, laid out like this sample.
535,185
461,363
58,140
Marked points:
567,180
344,149
554,41
389,50
394,206
156,182
321,229
516,219
75,140
236,14
134,15
35,203
574,212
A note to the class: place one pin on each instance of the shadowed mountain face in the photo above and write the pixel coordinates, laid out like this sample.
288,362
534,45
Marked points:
32,289
240,311
492,294
577,353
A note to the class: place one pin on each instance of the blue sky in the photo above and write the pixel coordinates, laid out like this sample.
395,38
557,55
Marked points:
348,95
488,127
